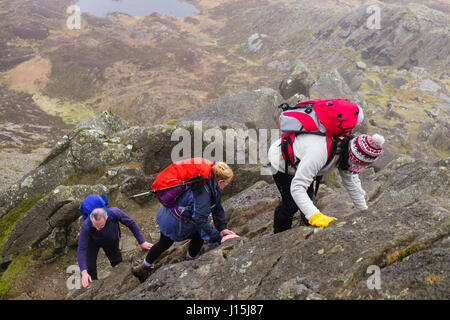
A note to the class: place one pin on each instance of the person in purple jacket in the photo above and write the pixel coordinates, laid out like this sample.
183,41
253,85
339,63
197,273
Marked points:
101,230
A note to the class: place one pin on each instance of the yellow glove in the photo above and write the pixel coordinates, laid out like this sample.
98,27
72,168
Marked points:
320,220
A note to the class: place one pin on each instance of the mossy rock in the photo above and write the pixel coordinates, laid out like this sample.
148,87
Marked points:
8,222
84,178
173,122
21,271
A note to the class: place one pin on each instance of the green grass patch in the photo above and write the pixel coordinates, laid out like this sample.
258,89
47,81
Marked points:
350,52
20,273
4,80
410,94
72,81
69,112
173,122
70,258
413,111
8,221
413,129
84,178
399,255
441,152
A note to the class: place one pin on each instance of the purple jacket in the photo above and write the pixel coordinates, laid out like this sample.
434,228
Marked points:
107,236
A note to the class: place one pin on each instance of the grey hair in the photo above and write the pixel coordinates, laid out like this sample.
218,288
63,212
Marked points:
98,214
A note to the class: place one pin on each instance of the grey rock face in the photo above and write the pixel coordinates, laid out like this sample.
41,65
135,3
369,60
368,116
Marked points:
361,65
430,85
398,82
106,122
422,275
401,232
298,82
354,79
257,109
89,161
332,85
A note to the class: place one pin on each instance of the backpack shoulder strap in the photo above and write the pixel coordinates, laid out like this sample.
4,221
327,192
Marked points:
332,146
111,215
343,152
114,218
318,180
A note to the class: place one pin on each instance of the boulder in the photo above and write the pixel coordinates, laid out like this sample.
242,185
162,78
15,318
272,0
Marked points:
361,65
107,122
439,137
257,109
429,85
298,82
398,82
354,79
250,212
118,282
330,85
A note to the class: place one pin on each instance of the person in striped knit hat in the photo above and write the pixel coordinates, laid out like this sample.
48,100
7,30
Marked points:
363,151
296,186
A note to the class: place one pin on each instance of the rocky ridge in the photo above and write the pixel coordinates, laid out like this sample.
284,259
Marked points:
407,222
404,232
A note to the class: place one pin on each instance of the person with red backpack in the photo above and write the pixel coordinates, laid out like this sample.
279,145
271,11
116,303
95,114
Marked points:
185,210
315,140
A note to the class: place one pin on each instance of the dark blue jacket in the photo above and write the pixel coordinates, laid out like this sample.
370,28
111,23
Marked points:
199,204
107,236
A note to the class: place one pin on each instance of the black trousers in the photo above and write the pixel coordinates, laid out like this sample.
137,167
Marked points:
165,243
284,212
112,253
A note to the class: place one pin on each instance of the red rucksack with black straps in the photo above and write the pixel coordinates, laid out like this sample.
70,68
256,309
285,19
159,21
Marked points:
176,178
181,171
332,118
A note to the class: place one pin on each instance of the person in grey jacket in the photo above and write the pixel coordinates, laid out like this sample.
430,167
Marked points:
311,150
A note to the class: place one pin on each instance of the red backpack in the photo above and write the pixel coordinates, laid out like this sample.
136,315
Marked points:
181,171
173,181
332,118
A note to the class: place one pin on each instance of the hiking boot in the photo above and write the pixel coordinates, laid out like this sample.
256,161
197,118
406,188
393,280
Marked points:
141,272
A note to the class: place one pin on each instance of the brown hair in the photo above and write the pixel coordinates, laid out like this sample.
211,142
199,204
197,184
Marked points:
221,171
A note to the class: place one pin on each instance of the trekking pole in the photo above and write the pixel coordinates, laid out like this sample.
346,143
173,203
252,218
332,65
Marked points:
148,193
192,180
